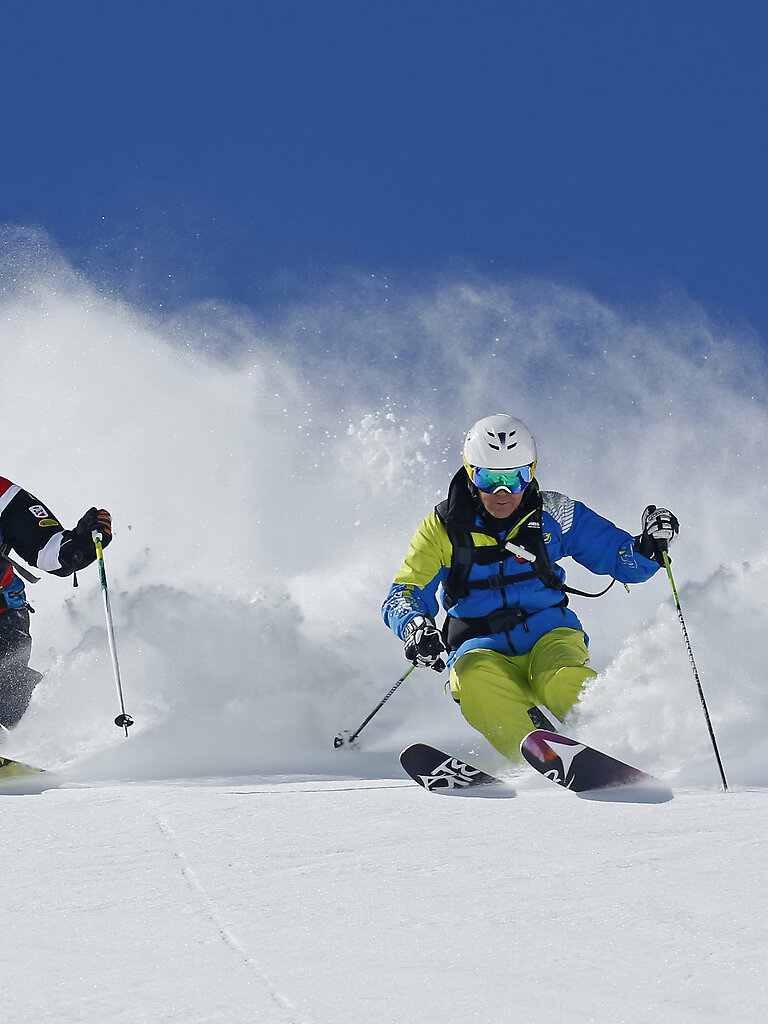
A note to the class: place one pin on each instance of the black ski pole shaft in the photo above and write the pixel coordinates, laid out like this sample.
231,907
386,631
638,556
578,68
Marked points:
123,720
695,673
346,737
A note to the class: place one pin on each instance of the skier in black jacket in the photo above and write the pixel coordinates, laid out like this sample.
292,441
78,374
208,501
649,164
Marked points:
28,528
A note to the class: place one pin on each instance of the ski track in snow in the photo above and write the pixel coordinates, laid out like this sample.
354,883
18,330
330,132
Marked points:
288,1012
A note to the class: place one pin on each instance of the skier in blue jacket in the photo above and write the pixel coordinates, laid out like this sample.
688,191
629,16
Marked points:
493,545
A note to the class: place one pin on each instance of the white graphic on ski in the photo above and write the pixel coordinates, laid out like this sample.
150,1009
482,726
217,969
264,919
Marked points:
450,774
567,752
439,772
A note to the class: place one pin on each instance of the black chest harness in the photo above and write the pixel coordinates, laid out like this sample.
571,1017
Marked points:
527,545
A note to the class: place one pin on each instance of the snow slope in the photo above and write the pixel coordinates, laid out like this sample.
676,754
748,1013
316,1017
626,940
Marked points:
310,900
224,863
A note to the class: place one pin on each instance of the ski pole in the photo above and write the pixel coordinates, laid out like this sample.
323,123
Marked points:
695,672
123,720
347,738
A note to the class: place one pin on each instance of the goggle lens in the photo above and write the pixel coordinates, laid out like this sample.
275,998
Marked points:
490,480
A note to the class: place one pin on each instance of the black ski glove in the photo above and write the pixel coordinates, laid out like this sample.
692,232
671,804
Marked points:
96,520
77,548
660,527
423,643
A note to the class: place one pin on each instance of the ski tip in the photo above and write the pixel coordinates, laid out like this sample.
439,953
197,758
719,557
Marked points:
588,772
439,772
10,769
18,779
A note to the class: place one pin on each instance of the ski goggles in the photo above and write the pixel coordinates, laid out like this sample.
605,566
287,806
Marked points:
491,480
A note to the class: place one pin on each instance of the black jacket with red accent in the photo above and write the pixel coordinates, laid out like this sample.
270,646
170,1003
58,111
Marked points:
30,529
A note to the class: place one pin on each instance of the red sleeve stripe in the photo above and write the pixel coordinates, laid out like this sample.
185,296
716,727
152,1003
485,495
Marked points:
8,492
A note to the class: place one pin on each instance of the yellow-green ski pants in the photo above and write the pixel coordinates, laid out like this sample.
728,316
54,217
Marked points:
496,690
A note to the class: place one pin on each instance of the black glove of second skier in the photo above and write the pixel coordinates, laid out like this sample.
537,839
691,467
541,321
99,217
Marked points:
96,520
423,643
660,528
77,547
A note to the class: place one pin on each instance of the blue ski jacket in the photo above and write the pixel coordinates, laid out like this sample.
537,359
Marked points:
502,588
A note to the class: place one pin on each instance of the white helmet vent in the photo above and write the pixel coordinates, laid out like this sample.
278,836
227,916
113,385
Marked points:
501,436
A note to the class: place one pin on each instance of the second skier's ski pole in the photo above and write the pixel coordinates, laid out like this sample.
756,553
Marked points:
123,720
347,738
695,672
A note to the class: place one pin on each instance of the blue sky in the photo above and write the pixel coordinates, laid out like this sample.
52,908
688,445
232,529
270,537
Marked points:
183,150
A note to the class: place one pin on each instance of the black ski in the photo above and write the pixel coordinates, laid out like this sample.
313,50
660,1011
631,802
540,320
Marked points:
587,771
440,772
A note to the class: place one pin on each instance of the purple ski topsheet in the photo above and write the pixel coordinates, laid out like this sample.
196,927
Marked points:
581,768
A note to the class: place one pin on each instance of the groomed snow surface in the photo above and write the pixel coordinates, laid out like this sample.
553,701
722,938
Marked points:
338,900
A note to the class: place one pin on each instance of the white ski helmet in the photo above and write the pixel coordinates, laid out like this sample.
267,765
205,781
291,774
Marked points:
499,442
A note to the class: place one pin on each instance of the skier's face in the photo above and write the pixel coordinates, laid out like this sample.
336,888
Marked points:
501,504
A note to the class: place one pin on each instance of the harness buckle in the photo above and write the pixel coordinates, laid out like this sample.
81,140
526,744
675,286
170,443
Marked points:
519,552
